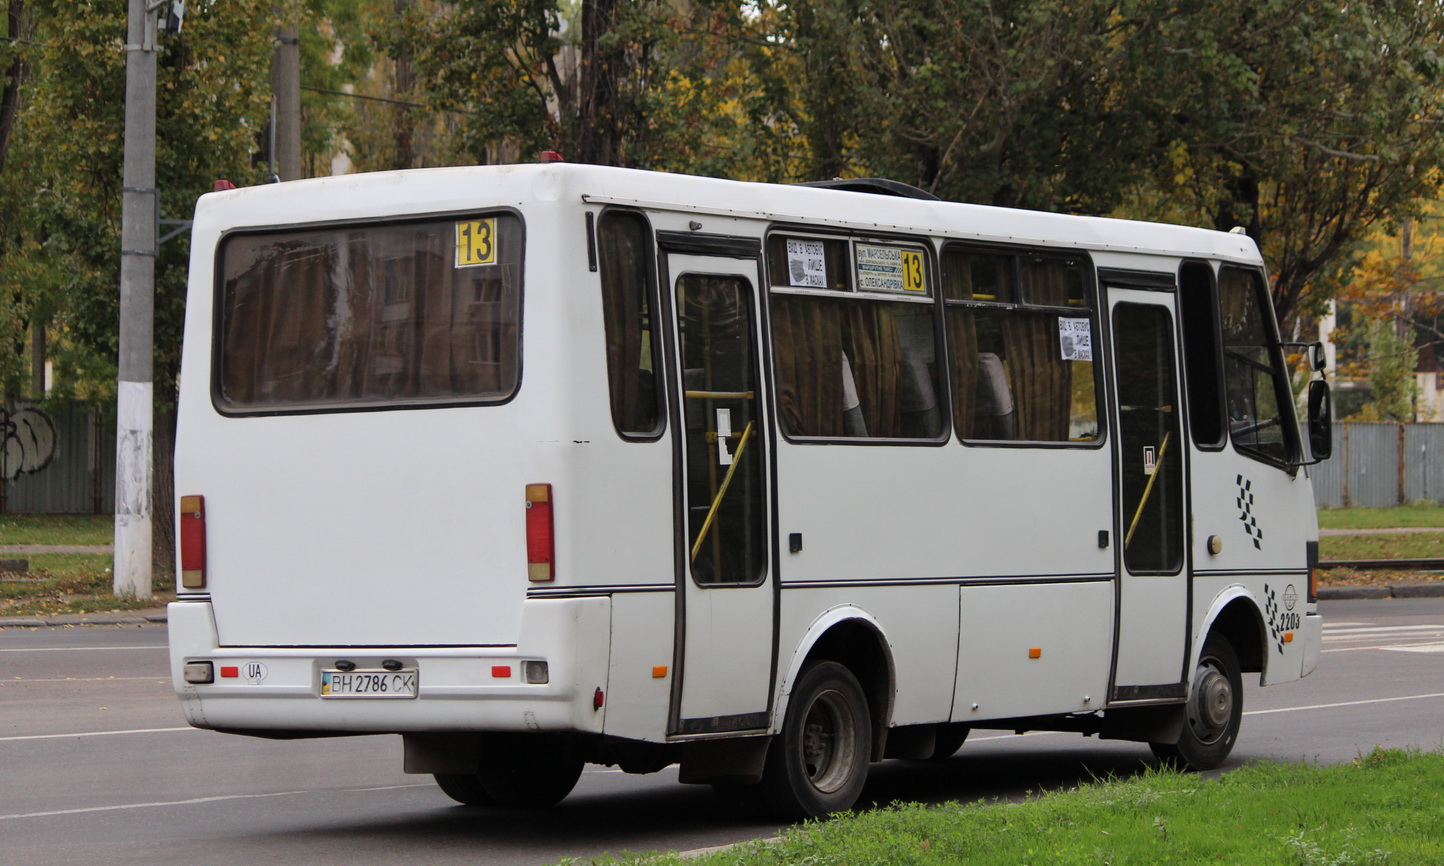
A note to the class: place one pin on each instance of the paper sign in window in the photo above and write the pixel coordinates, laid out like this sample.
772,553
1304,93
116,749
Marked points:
724,431
806,265
888,269
1075,339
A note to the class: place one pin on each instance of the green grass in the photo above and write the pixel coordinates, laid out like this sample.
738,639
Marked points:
57,529
1415,545
71,583
1383,808
1418,514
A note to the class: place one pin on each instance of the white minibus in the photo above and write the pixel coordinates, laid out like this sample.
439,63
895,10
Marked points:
545,465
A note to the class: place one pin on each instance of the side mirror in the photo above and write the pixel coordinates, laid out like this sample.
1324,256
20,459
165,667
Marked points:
1314,352
1321,421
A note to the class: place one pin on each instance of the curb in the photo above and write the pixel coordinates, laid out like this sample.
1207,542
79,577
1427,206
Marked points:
155,616
1408,590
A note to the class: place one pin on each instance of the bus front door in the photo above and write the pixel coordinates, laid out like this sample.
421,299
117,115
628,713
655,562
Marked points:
722,445
1151,467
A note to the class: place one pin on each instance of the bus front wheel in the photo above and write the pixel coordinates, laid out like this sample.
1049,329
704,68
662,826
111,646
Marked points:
818,763
1213,713
523,771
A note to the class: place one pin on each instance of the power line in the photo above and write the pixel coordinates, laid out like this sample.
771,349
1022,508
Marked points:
367,98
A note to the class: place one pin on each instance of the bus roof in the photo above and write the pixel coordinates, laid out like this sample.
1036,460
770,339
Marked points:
439,190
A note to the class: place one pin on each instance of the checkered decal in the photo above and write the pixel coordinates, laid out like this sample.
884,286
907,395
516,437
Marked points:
1245,512
1271,607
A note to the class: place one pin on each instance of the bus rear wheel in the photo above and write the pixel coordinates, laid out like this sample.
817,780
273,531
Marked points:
818,763
464,788
950,738
521,771
1213,713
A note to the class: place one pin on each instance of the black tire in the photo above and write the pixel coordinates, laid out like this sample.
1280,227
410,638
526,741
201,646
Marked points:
463,788
742,799
949,739
1213,713
521,771
818,763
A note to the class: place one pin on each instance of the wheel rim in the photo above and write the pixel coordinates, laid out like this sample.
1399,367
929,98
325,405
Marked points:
1211,709
829,742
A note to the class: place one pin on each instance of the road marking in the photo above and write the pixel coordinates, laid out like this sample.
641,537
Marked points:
159,678
1397,635
1373,627
1003,735
1344,704
96,734
198,800
1380,629
78,649
1417,648
1370,647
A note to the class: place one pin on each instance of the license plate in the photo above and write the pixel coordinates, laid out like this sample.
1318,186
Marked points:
369,684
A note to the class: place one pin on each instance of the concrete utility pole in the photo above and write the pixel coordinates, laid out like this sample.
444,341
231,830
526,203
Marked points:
286,104
135,427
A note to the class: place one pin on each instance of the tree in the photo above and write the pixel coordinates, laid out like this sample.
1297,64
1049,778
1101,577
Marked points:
62,179
60,185
1007,103
594,80
1305,123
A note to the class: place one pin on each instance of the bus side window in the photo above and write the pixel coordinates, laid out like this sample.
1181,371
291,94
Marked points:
1254,380
850,364
624,242
1202,354
1020,347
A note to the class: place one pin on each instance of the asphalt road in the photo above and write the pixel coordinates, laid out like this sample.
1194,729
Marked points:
97,765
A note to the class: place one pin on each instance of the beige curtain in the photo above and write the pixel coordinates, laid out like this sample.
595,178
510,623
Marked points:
877,366
369,314
807,345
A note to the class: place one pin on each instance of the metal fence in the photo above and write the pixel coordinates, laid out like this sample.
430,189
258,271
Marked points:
56,460
62,461
1382,464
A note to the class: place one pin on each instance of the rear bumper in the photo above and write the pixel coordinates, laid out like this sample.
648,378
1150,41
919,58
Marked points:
459,688
1313,642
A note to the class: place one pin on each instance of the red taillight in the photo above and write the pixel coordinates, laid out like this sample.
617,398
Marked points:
193,542
550,156
540,539
222,185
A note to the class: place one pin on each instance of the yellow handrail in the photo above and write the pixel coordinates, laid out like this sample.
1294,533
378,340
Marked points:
1162,449
719,395
721,491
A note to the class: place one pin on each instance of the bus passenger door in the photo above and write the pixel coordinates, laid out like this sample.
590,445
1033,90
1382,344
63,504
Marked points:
1151,468
722,445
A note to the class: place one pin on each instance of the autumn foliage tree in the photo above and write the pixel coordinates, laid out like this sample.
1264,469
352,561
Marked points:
1304,123
60,183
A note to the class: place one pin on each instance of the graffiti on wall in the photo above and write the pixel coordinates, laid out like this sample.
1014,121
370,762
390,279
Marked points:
30,441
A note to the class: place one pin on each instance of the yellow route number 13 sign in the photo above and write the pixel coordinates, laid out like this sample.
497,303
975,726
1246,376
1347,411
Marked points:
476,243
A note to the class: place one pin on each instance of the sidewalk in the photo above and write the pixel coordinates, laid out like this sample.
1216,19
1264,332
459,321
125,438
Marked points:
145,616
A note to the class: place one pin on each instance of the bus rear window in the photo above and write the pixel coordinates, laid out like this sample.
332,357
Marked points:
365,316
